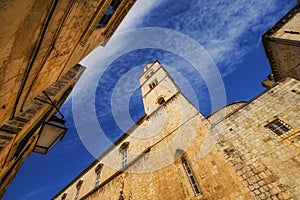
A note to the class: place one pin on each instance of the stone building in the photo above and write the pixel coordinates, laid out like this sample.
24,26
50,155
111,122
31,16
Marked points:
255,149
41,44
282,46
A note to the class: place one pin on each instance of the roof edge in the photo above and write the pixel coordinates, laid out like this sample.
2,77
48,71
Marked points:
266,38
117,142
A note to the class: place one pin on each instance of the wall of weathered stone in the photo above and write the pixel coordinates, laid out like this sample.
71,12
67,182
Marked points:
41,42
157,174
150,131
22,27
248,161
19,135
286,59
290,30
268,164
222,113
282,46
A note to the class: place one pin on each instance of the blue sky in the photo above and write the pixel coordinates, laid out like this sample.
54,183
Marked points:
229,31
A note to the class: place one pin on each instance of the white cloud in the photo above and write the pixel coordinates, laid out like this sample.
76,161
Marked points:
133,19
222,27
227,29
136,14
225,25
37,192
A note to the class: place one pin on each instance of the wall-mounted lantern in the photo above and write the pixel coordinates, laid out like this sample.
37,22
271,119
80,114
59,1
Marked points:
51,132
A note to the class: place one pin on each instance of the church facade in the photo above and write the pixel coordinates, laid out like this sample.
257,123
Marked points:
245,150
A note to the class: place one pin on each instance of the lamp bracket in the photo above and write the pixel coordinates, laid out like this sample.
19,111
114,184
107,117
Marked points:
51,103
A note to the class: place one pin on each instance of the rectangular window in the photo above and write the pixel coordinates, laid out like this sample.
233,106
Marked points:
191,177
77,194
109,13
278,127
78,187
124,158
97,179
98,170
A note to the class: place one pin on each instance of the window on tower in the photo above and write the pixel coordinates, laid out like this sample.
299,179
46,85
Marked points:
149,74
153,84
161,100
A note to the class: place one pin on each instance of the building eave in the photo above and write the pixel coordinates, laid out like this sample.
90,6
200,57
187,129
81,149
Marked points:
117,142
267,38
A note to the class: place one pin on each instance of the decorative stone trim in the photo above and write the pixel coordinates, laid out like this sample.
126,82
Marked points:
99,168
124,146
79,184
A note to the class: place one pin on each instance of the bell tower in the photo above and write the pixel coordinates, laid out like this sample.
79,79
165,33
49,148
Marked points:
157,86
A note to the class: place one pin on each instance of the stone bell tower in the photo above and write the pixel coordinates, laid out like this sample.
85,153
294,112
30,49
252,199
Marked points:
157,86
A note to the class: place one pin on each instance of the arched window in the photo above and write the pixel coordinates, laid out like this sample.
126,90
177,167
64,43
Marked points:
64,196
78,187
180,154
161,100
153,84
98,173
149,74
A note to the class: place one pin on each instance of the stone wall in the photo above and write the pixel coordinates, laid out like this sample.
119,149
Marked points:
222,113
42,41
268,164
282,46
154,170
247,161
286,59
19,135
